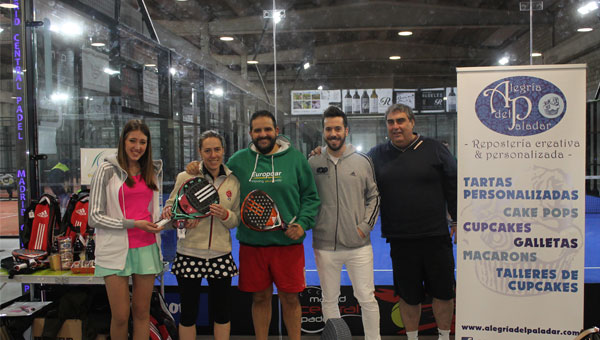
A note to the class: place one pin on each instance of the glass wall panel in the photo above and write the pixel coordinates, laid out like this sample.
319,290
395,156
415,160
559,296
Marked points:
91,77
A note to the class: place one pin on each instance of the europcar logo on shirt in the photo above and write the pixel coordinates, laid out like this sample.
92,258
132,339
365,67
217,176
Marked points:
520,106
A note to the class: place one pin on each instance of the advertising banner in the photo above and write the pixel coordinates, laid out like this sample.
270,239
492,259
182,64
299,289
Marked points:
521,202
431,100
366,101
314,102
435,100
407,97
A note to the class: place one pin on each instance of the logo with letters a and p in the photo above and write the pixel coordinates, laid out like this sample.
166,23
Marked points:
521,106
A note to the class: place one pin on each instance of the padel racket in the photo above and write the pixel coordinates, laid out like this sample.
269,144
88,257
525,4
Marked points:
588,333
260,213
193,200
28,258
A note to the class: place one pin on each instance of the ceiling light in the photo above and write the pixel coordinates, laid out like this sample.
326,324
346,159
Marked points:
149,65
395,57
252,61
110,71
359,148
589,7
71,28
276,16
226,38
585,29
217,92
405,33
536,54
503,61
306,65
173,71
1,29
11,6
320,87
68,29
59,96
98,44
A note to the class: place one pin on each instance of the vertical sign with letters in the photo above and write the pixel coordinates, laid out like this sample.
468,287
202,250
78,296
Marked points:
521,202
20,104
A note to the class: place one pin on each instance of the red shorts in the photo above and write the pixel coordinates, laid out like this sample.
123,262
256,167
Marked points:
260,267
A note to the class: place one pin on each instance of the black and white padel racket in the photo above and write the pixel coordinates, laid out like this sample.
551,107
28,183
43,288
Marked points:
260,213
193,201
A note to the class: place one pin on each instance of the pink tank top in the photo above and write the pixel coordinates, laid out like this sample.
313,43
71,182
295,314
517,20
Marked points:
136,207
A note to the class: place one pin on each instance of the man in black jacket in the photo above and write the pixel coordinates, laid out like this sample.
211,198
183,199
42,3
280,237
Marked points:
416,177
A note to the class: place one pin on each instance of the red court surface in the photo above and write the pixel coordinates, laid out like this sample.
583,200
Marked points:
9,222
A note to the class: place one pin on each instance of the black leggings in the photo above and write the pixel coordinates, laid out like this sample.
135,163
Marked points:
219,300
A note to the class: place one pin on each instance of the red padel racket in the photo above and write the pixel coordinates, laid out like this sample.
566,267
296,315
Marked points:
260,213
193,200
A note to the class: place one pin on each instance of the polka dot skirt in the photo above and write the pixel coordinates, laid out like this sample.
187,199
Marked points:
197,268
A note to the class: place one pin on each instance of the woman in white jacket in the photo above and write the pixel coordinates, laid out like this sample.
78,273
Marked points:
124,202
205,252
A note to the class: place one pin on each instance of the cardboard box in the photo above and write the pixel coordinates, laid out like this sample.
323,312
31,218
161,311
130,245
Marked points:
70,330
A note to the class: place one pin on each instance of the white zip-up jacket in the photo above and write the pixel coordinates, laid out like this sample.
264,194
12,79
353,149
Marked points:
112,243
211,237
349,200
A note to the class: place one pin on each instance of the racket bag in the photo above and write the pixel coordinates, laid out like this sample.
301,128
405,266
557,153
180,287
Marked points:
42,222
9,263
75,219
165,323
158,331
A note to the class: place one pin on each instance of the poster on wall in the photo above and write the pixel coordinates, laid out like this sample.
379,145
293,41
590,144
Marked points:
92,69
130,91
214,118
521,202
91,158
431,100
407,97
233,113
314,102
47,139
366,101
150,87
98,106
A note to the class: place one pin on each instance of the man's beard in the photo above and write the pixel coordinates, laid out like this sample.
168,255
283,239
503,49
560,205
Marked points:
264,150
342,141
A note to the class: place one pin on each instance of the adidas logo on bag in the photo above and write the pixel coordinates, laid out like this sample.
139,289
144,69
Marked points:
43,214
81,212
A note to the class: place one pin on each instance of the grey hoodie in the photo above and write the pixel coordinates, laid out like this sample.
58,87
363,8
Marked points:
349,200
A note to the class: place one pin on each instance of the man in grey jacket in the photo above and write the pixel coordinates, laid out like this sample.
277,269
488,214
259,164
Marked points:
349,207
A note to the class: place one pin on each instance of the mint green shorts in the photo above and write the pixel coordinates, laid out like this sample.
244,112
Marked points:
143,261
